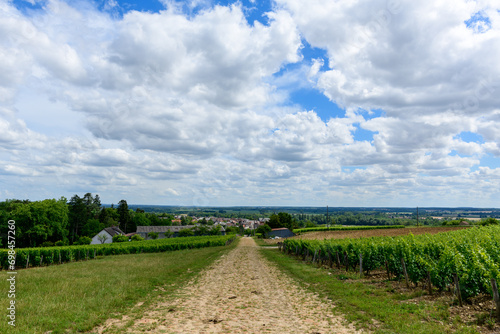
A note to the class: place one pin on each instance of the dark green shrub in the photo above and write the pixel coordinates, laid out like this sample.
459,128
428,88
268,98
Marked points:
153,235
120,238
83,241
136,237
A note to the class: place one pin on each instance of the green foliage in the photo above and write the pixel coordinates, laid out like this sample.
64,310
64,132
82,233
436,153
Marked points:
187,232
119,238
232,230
309,224
126,223
214,230
263,230
92,227
489,221
109,217
140,219
83,241
282,219
455,222
206,230
51,255
136,237
153,235
102,238
186,220
159,220
59,243
38,221
473,254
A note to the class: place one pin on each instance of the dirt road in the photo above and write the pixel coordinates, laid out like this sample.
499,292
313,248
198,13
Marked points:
241,293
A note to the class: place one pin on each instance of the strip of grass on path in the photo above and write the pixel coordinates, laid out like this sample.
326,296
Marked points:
365,305
78,296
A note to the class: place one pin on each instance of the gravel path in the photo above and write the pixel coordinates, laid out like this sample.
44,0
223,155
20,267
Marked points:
242,293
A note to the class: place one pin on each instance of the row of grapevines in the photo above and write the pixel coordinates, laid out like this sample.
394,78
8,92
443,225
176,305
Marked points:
345,228
30,257
473,254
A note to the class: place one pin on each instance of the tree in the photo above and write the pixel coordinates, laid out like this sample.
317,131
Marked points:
78,216
282,219
286,220
232,230
140,219
40,221
215,230
124,215
186,220
168,234
263,230
162,220
489,221
102,238
93,205
200,230
274,221
109,217
92,227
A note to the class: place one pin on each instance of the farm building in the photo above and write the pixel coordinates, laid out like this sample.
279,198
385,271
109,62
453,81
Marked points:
282,232
106,235
161,230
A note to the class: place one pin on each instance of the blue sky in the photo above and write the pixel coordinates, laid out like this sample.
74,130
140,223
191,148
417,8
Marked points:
252,102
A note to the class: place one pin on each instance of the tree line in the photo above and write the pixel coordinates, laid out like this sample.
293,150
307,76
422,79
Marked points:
62,222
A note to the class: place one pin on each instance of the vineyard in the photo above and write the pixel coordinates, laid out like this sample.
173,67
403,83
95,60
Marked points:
468,258
31,257
345,228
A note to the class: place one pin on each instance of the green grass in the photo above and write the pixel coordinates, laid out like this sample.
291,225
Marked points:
261,243
78,296
366,305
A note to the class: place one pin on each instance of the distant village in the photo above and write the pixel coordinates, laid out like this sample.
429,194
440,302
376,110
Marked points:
218,223
224,222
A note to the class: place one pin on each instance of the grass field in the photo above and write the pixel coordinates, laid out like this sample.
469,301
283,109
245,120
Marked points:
78,296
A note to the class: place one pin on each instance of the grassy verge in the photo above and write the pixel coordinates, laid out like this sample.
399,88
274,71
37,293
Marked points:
78,296
262,243
366,305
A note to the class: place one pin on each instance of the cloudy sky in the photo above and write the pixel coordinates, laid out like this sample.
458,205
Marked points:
221,103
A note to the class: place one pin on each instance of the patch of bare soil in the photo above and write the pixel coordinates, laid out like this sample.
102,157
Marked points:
241,293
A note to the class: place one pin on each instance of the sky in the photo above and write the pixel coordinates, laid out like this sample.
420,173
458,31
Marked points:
252,103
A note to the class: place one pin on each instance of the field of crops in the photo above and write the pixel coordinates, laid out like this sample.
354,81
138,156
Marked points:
471,255
393,232
31,257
